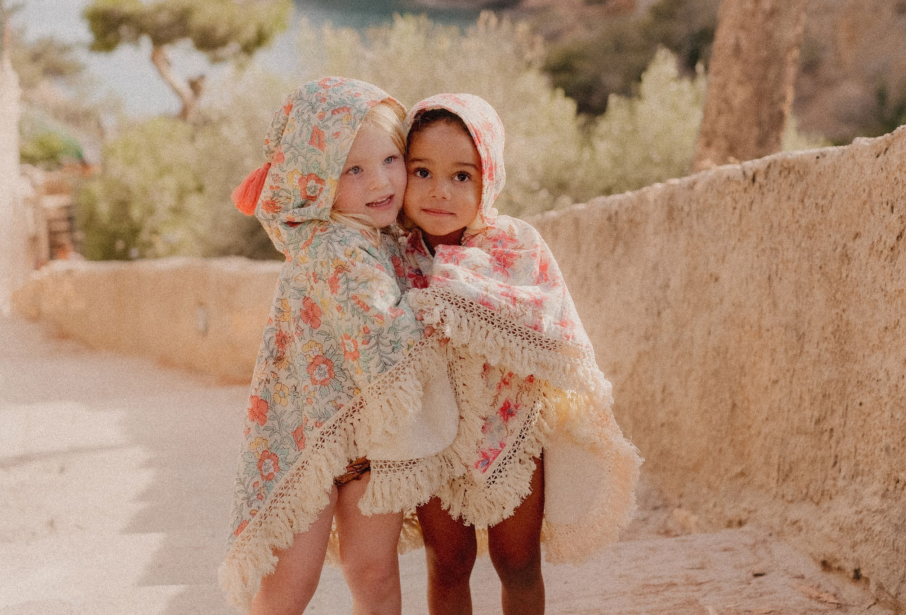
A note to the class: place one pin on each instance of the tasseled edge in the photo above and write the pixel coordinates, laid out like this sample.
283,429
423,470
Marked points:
303,493
246,194
475,329
426,476
489,505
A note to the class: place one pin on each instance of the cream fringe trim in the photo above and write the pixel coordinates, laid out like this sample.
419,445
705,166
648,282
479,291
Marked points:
426,476
502,342
375,414
576,399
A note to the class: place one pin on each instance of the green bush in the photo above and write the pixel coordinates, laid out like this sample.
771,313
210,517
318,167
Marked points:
165,185
496,59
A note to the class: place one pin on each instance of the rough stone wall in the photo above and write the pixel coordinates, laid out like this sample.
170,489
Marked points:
752,319
202,315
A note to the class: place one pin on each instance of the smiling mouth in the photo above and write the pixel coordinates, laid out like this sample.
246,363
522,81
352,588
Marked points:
382,203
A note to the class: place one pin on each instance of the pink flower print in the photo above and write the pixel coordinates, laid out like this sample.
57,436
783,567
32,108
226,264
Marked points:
341,111
270,206
279,158
321,371
257,410
268,465
542,271
299,437
310,313
396,312
317,138
487,458
507,411
398,266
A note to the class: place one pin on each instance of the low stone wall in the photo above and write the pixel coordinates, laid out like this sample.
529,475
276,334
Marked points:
205,315
752,319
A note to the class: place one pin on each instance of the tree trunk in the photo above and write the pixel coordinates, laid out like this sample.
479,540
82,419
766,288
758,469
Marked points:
750,82
188,92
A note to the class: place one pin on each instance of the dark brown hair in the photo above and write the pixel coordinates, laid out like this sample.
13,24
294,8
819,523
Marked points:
430,117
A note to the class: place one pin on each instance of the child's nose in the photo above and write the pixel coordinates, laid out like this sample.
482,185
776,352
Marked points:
379,179
440,190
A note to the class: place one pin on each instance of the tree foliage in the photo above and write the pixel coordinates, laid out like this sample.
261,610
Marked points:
610,57
220,29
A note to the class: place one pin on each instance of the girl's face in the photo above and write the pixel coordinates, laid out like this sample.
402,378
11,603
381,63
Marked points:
373,179
444,191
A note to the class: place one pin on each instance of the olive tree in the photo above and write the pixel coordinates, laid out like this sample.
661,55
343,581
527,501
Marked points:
223,30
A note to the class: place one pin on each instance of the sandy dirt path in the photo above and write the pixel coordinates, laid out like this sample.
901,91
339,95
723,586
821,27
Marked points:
116,476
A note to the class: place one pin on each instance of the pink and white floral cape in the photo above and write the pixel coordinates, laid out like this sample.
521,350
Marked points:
343,363
515,333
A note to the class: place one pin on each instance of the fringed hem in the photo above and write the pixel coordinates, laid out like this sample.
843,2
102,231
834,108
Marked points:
375,414
611,512
509,483
426,476
500,341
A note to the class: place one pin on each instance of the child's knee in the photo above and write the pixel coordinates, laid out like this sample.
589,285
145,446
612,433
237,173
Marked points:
453,562
517,566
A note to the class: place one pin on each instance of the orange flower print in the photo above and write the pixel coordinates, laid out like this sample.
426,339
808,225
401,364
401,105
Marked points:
287,108
321,370
334,282
268,465
279,158
341,110
311,186
281,339
299,437
270,206
350,348
241,527
310,313
257,410
317,138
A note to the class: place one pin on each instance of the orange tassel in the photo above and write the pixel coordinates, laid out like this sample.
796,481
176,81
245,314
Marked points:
246,194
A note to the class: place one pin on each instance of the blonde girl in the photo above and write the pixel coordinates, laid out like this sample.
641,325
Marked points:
340,372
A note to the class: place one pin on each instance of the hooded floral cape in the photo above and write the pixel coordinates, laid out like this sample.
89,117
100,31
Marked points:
342,362
513,328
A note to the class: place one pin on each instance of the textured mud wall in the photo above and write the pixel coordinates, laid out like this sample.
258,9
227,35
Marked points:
203,315
753,321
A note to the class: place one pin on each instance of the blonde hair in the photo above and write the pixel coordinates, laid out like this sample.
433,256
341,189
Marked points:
387,116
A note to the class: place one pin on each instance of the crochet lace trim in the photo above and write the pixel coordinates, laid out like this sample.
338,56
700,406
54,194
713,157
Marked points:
372,416
503,342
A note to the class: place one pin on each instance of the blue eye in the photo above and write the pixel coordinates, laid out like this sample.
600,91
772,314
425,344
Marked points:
354,170
390,159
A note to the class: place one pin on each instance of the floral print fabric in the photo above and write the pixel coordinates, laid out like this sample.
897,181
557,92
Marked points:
502,301
342,358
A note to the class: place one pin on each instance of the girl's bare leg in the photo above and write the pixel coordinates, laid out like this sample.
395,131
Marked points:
515,549
450,550
289,589
368,553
